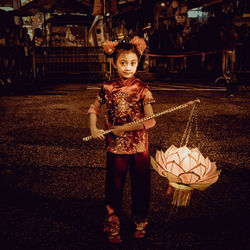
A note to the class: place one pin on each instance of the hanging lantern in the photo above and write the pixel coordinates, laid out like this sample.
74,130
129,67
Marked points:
186,169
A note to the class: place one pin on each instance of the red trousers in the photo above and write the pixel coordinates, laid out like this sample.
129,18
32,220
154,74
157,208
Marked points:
139,169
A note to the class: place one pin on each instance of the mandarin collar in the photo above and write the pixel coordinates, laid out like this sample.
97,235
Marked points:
127,82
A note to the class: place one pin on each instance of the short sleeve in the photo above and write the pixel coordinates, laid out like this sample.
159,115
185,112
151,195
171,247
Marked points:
101,96
147,97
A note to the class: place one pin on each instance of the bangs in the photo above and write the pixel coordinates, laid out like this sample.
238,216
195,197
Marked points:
125,47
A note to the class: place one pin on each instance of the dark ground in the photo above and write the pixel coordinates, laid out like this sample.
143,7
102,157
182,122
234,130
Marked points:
51,183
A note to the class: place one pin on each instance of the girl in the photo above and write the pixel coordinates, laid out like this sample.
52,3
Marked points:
126,99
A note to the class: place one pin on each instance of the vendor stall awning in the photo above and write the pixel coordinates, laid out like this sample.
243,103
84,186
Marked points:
6,3
201,3
69,6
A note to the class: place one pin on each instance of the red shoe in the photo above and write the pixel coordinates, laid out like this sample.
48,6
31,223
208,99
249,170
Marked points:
112,228
140,229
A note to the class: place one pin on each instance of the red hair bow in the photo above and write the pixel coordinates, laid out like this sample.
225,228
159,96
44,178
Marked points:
109,47
139,43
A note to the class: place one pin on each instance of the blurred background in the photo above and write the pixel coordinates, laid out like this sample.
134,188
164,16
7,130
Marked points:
58,38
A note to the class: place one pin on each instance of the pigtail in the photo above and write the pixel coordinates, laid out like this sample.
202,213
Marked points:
139,43
109,47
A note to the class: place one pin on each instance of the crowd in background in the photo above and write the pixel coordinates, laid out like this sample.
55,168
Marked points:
165,37
169,37
16,51
15,39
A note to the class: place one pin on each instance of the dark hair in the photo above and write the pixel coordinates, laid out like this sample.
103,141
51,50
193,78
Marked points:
121,47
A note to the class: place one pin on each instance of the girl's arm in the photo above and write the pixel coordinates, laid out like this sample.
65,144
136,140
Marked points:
148,111
93,113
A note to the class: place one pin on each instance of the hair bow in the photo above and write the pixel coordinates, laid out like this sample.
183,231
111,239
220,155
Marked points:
109,47
139,43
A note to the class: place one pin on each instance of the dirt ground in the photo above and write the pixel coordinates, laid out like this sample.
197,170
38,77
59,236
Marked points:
52,183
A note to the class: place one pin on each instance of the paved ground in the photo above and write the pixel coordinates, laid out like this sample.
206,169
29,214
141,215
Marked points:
51,183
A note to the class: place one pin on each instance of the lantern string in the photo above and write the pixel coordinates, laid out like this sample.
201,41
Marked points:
187,131
196,129
151,117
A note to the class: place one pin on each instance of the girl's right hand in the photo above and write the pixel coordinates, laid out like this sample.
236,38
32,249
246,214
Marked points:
97,133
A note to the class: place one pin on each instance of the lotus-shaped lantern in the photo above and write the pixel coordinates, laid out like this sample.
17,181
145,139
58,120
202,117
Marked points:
186,169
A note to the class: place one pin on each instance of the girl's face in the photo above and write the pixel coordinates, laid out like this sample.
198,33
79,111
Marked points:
126,64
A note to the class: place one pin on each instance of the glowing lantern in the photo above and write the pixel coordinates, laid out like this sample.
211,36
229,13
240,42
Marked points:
186,169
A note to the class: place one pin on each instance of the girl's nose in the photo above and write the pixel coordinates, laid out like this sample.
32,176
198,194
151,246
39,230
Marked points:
128,66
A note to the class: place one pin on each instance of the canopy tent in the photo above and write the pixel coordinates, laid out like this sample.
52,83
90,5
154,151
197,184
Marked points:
23,12
6,3
71,19
201,3
46,6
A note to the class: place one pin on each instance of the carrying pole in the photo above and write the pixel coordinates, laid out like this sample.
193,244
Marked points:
88,138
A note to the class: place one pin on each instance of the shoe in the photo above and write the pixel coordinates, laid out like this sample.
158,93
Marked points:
140,228
112,228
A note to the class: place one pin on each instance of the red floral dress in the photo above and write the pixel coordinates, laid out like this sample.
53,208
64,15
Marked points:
124,103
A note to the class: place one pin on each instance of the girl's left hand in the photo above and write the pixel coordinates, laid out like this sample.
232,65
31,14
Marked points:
117,131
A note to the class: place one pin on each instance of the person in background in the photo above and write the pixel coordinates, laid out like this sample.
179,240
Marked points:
229,39
244,49
38,38
26,44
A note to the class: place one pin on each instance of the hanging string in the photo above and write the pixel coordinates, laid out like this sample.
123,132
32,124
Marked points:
196,128
187,131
